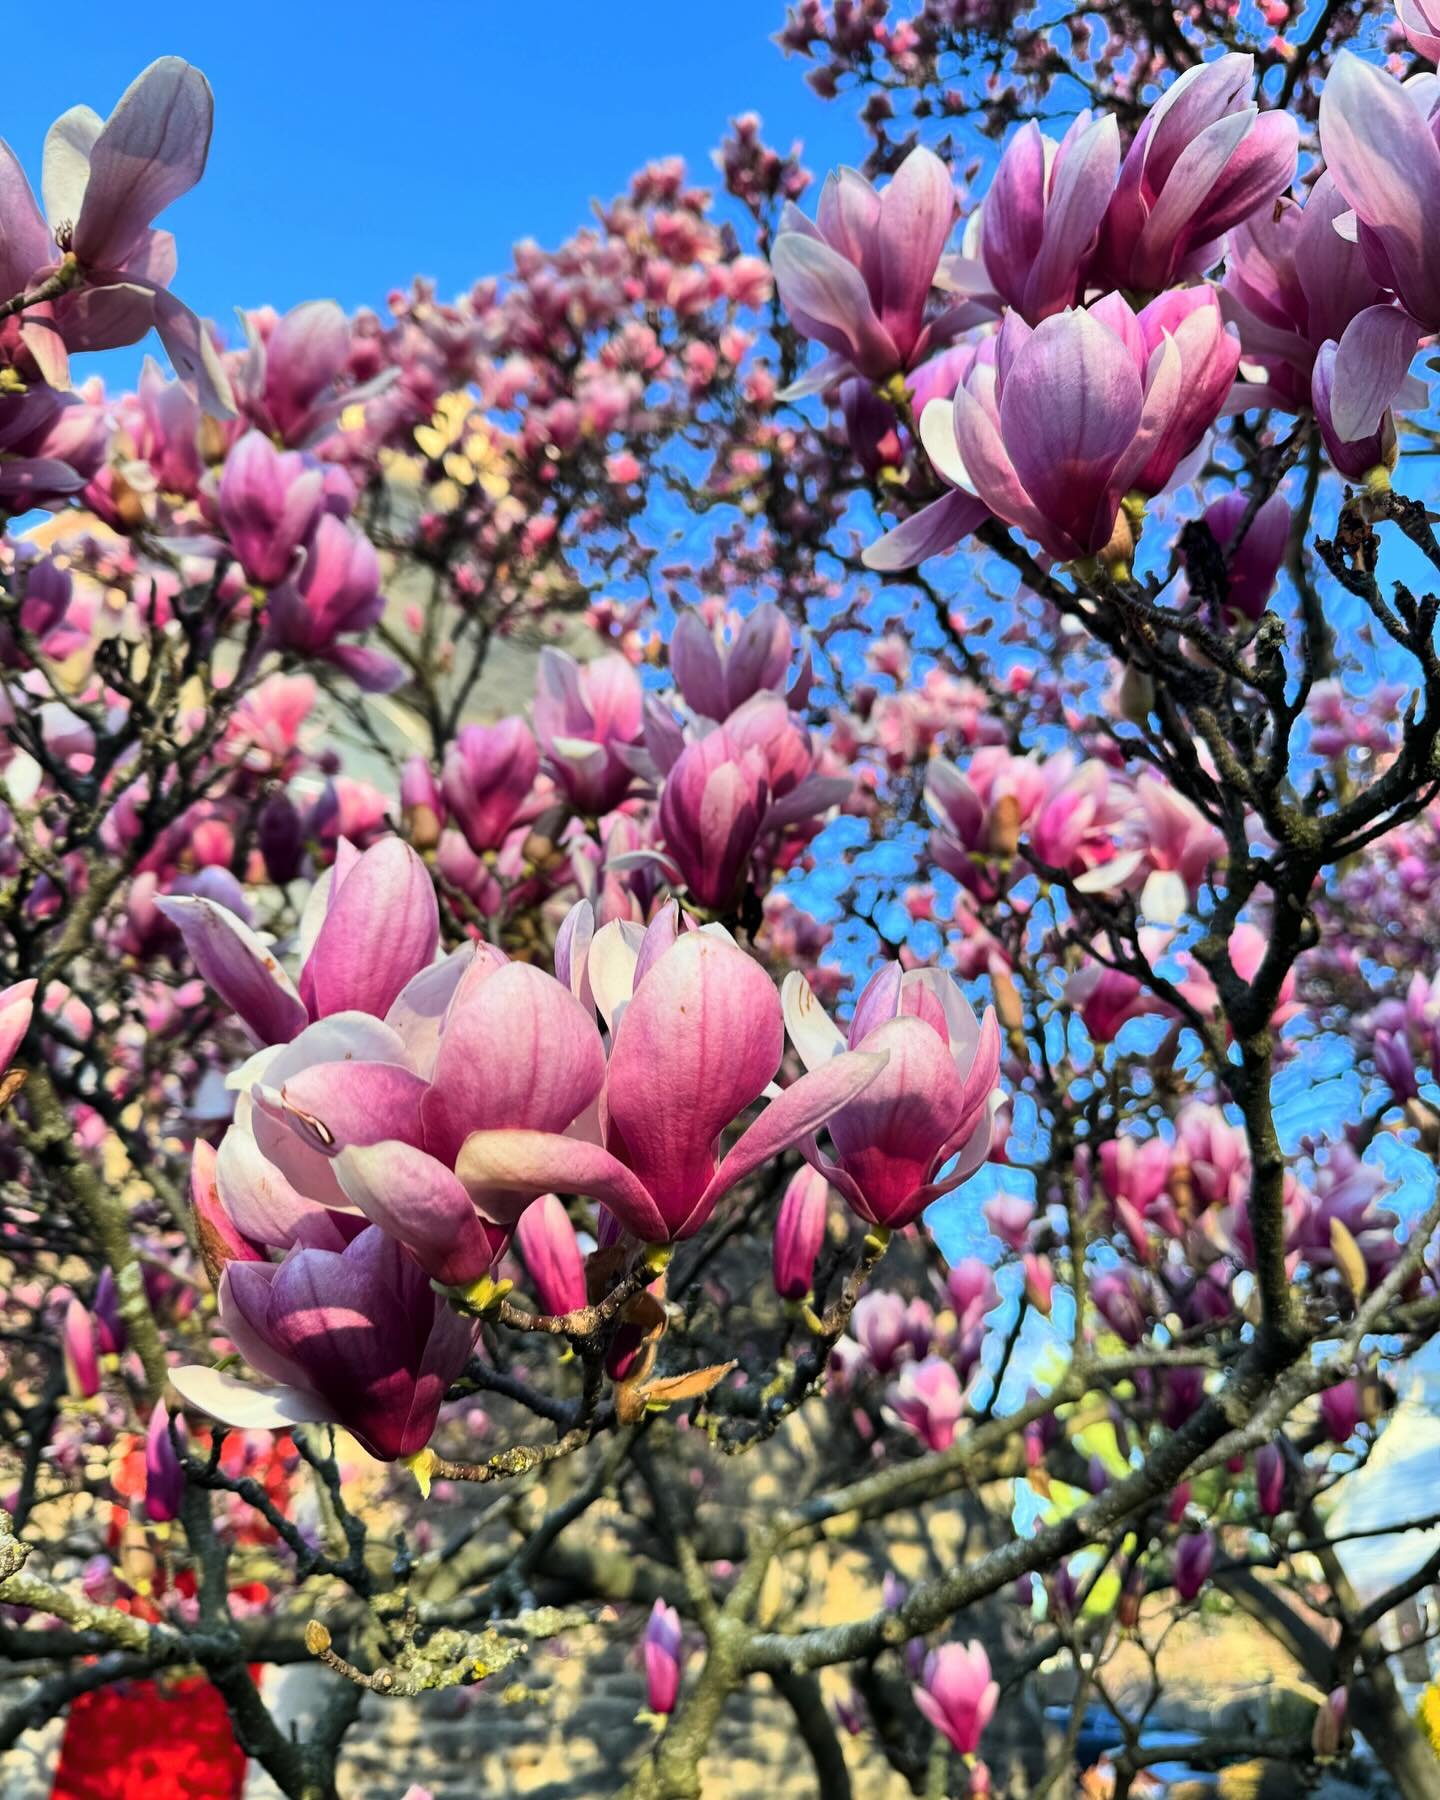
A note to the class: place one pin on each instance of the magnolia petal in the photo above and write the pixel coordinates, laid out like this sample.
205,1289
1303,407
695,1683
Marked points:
1371,362
421,1204
531,1163
249,1408
813,1032
932,531
241,969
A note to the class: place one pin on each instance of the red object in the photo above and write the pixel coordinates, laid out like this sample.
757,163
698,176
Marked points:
147,1740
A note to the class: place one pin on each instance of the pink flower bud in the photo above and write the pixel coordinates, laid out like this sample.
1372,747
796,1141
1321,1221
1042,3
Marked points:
662,1658
552,1255
799,1233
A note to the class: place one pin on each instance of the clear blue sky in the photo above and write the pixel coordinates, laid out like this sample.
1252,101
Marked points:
358,144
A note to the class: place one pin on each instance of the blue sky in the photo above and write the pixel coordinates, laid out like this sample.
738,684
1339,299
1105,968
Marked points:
356,145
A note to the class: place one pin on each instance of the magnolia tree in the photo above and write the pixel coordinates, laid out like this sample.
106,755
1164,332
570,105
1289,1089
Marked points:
862,1015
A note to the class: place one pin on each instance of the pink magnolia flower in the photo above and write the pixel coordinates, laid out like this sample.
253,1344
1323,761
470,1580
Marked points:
488,773
662,1658
1010,1218
1181,849
335,593
1354,453
104,181
1126,1300
880,1326
928,1400
1270,1480
1107,999
799,1233
586,719
1420,21
931,1103
1040,217
715,678
1204,160
1341,1411
1074,415
269,502
696,1038
1247,948
1292,285
712,811
372,924
970,1288
1039,1282
1327,1734
859,278
50,446
957,1695
1135,1175
552,1255
291,380
347,1329
81,1352
1370,128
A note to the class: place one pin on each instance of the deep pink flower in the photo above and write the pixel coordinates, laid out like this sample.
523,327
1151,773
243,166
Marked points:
1270,1480
376,925
348,1329
697,1036
552,1255
269,503
931,1103
712,809
928,1400
488,773
81,1352
1204,160
859,278
957,1695
586,718
662,1658
1042,212
799,1233
164,1477
104,181
714,678
1194,1558
1252,562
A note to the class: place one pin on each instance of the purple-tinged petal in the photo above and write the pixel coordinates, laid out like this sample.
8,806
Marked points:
194,354
917,210
828,301
242,970
1370,131
149,151
933,531
1372,360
